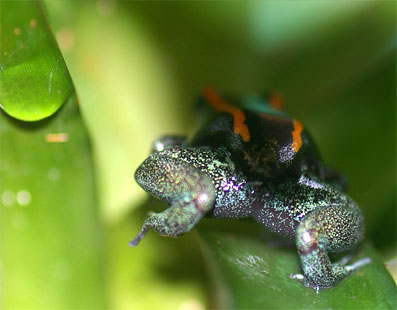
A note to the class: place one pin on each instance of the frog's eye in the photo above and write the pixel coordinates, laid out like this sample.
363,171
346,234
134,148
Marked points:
276,101
166,142
158,146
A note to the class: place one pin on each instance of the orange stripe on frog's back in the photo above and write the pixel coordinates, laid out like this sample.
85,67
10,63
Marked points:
220,105
296,136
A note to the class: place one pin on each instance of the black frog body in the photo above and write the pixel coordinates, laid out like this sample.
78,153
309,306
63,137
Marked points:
265,145
251,160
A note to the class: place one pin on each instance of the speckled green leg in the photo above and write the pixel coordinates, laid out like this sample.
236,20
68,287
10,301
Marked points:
180,218
189,191
333,228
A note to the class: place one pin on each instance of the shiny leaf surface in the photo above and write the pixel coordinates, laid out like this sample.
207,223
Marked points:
251,270
51,245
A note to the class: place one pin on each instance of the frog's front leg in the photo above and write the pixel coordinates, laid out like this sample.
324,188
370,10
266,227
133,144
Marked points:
333,228
190,192
178,219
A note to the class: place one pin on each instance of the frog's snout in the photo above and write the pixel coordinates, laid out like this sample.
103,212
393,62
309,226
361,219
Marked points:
150,173
142,175
139,174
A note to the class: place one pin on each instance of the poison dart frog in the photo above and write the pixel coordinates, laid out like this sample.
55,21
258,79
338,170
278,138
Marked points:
251,160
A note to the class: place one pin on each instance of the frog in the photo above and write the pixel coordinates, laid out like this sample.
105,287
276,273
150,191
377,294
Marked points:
249,159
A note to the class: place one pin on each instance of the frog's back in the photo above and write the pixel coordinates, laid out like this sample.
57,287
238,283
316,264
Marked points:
263,142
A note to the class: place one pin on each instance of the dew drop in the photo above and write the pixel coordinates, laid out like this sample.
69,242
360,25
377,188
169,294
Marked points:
7,198
17,31
24,197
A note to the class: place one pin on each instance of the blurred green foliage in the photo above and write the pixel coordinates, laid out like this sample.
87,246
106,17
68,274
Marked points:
137,67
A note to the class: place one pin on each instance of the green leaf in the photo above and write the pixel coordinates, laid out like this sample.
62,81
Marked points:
251,269
34,81
51,243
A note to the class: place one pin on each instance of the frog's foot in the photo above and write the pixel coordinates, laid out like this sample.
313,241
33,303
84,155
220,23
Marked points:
332,228
301,278
173,222
180,218
338,268
134,242
145,228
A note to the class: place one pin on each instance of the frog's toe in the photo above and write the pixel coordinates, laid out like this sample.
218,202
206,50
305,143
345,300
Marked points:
297,276
340,268
358,264
301,278
134,242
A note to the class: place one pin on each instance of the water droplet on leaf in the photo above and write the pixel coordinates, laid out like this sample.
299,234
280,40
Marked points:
24,197
7,198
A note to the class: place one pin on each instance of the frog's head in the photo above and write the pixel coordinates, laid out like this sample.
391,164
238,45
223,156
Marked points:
163,174
169,175
153,174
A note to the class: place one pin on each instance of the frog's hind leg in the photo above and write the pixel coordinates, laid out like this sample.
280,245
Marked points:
332,228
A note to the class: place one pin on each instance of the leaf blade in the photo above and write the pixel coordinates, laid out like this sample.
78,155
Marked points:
50,245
